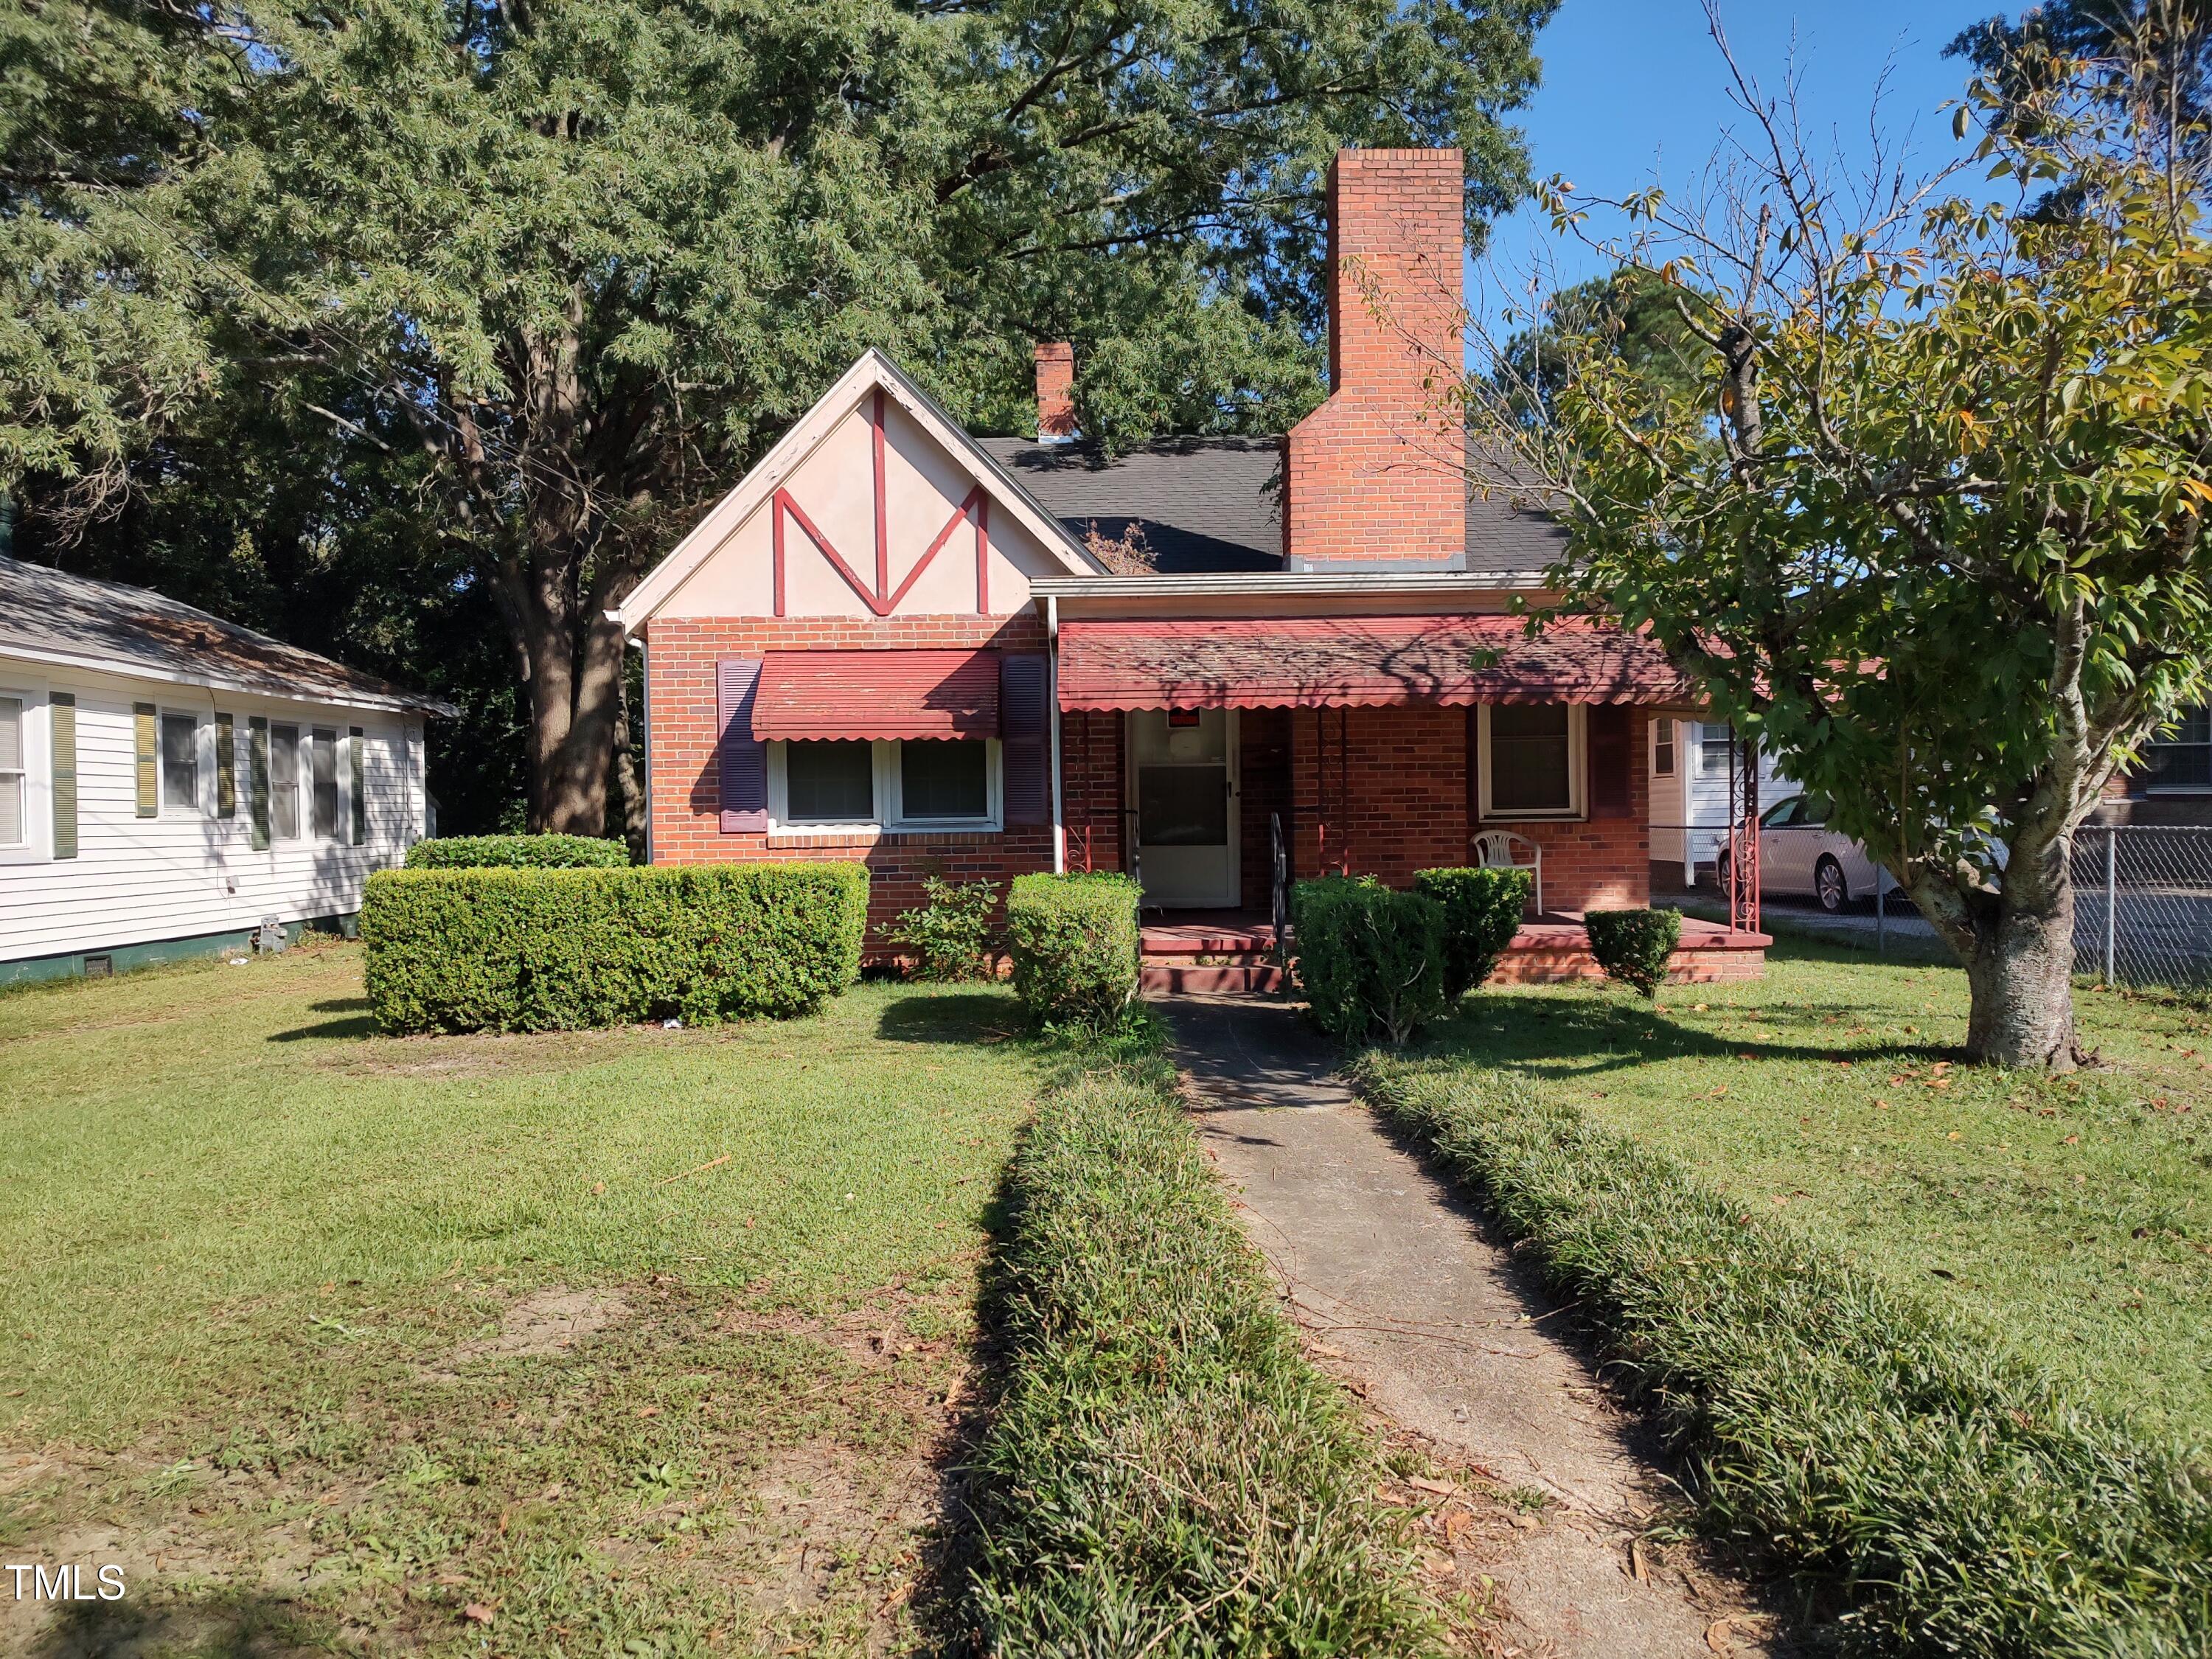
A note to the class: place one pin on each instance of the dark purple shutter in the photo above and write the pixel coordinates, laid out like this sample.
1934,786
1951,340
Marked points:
1611,757
1025,732
741,761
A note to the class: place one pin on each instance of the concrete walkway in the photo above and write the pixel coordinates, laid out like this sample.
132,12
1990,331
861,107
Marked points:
1406,1296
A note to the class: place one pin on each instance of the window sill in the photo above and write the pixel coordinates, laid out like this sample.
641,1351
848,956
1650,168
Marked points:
871,835
1536,818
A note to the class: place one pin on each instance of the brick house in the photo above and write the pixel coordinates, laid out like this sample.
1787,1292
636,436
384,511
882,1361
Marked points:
979,657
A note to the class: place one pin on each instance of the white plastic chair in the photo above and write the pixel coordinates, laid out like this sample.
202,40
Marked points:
1501,849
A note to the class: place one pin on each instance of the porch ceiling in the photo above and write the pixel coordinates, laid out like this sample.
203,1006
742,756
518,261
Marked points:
1312,662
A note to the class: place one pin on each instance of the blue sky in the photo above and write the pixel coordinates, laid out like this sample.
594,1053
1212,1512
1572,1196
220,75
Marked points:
1631,86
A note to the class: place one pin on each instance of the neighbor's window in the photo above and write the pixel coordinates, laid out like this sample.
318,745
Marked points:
1530,752
323,767
284,782
829,782
1662,749
1715,750
944,780
180,762
15,783
2183,759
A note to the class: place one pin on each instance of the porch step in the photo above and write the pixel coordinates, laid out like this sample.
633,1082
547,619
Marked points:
1252,977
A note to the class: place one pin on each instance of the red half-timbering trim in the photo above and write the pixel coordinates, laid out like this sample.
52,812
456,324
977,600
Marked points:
882,600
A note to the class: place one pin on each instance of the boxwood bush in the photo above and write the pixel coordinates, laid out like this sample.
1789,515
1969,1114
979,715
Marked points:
1371,960
1970,1504
560,949
1482,910
1073,943
1165,1474
518,853
1633,946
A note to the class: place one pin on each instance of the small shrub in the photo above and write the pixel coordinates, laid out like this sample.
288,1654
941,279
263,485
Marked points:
1371,960
948,933
1482,909
563,950
1073,941
518,853
1633,946
1165,1473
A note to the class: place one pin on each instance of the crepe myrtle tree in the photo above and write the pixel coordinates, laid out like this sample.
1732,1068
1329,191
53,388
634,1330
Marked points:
1930,525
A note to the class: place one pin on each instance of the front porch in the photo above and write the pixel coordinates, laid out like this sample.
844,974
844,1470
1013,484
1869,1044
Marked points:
1227,952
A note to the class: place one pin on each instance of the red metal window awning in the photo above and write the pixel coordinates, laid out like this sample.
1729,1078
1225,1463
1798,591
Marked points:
1316,662
820,695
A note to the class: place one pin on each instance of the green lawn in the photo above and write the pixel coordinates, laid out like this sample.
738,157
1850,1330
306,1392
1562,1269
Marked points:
2074,1216
631,1336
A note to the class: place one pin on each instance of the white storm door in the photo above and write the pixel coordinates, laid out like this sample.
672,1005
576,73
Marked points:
1183,766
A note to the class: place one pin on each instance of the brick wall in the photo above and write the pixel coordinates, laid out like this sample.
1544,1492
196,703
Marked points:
1092,786
1374,473
686,784
1056,390
1385,790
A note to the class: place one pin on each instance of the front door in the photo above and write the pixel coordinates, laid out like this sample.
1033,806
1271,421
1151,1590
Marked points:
1183,765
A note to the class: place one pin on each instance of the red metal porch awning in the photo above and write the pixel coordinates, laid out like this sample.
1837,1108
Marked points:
815,695
1313,662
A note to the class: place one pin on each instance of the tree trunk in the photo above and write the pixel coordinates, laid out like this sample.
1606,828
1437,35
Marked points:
2021,980
2017,943
629,775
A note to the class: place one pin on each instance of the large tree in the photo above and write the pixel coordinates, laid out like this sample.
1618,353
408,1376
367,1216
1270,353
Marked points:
1931,526
587,258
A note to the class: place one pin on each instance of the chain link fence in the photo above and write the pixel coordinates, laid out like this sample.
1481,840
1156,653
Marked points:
2142,904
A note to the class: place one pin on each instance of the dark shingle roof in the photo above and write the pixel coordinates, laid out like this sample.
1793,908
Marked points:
1499,535
1215,504
58,612
1205,504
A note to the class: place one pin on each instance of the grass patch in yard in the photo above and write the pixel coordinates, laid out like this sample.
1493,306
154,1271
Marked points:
1940,1329
632,1335
1166,1474
2073,1215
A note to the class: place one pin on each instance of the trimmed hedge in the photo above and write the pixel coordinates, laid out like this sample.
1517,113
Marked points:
1165,1474
563,950
1482,911
1633,946
519,853
1073,941
1371,960
1971,1504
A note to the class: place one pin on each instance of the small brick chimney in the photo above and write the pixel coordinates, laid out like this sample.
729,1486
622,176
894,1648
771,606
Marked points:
1056,392
1371,477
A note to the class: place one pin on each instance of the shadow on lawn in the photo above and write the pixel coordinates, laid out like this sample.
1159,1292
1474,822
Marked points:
249,1625
1548,1037
950,1016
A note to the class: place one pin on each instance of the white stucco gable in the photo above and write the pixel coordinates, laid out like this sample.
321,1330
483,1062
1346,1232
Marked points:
874,504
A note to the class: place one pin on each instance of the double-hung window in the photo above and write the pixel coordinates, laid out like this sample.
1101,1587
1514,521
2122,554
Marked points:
2182,758
1532,761
284,782
15,772
180,763
1662,749
889,784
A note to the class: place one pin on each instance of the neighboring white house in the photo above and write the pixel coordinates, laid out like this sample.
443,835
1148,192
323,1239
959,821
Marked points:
169,779
1689,765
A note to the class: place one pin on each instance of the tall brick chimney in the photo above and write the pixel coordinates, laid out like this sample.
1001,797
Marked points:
1371,477
1056,392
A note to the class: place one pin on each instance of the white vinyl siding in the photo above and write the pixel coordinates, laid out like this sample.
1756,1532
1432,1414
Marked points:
183,874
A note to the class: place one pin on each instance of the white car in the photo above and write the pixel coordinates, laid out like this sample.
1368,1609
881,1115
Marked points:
1800,857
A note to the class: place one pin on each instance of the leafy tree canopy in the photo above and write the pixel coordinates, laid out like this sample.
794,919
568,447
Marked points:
585,258
1930,523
